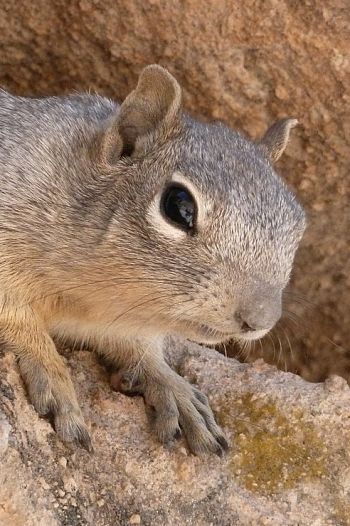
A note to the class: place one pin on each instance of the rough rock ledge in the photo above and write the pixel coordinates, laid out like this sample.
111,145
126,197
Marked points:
288,463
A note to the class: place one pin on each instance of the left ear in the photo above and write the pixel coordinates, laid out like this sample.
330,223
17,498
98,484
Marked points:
153,106
276,138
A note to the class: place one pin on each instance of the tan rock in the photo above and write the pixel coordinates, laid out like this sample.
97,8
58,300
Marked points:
135,519
287,465
4,433
63,462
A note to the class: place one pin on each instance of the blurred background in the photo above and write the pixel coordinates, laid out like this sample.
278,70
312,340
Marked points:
247,64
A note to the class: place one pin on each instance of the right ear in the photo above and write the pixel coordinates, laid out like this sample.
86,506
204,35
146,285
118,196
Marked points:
154,106
275,140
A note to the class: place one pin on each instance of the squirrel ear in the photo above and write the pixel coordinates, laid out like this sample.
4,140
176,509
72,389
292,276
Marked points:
276,138
154,104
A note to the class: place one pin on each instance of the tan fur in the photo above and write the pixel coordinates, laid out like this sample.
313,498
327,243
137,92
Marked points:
86,253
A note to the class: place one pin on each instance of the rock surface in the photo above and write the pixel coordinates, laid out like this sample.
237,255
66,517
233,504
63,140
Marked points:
246,63
288,463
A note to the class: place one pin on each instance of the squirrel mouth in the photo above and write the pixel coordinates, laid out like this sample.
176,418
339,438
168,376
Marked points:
201,333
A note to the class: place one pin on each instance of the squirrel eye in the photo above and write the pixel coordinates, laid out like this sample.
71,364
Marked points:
179,207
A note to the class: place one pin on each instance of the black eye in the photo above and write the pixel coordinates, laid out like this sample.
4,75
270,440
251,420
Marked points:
179,207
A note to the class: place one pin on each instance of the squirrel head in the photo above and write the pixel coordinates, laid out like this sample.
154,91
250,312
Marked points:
204,231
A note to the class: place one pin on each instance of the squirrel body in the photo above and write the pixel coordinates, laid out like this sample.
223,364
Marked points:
120,225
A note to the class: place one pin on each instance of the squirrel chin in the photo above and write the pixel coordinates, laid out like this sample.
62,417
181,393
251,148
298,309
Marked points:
251,336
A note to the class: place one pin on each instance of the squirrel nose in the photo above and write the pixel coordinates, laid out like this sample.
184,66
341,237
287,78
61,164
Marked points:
245,327
258,316
254,323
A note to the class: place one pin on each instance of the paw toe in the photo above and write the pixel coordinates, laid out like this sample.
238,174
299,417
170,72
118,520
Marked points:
71,428
126,383
167,419
42,401
222,442
167,430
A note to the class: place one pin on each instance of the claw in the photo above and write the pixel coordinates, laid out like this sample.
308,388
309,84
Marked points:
219,451
84,440
223,442
71,428
177,434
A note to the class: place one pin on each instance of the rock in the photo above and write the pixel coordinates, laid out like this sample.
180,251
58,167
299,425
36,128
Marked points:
70,484
5,429
335,383
63,462
244,63
43,483
135,519
287,463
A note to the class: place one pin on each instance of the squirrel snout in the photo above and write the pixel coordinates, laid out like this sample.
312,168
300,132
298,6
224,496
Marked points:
258,315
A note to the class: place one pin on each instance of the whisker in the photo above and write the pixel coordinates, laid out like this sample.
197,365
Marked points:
108,281
300,298
280,349
138,305
273,345
300,323
289,343
340,347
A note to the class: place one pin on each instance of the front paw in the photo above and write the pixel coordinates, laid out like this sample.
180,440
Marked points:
52,393
179,407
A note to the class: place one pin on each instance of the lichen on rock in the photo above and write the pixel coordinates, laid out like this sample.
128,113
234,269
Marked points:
287,463
273,451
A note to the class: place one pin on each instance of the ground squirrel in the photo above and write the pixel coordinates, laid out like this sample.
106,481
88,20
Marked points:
123,224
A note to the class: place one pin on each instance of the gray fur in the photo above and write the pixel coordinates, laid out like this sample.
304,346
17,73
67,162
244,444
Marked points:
79,257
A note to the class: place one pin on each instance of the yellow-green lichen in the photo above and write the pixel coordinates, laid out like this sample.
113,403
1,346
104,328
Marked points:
272,451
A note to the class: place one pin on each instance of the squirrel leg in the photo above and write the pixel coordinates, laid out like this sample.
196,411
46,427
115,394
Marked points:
177,405
46,377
